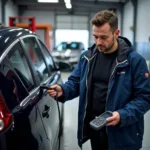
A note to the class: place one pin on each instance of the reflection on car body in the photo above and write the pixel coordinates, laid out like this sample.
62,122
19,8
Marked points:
68,52
29,117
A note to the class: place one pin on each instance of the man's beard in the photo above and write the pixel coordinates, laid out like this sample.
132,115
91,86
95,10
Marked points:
108,48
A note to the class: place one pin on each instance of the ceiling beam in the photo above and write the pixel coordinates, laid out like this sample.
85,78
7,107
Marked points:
76,3
100,5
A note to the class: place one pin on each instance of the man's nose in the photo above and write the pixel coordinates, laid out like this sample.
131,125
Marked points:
99,41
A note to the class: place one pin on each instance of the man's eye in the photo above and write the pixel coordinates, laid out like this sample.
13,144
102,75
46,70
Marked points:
104,38
95,37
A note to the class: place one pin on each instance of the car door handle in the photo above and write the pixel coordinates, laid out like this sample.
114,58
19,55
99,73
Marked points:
45,112
55,78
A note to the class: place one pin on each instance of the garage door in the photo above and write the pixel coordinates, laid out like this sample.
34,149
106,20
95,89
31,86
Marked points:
72,22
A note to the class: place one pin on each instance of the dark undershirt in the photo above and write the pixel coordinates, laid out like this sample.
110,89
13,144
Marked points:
100,79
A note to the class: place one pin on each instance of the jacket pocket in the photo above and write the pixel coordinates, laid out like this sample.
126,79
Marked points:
127,136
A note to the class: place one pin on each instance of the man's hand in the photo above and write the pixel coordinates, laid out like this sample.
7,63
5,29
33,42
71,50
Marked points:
114,120
55,90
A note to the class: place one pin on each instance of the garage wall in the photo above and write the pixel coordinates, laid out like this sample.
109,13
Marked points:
143,21
128,21
143,47
71,22
74,26
91,40
47,17
58,21
143,32
41,16
10,10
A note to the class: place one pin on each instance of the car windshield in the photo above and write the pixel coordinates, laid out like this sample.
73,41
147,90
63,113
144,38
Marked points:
64,46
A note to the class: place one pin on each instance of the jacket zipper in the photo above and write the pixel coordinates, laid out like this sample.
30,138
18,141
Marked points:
110,79
117,64
87,91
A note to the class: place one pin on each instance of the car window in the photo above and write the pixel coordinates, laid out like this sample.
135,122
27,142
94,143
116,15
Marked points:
64,46
74,45
20,65
48,57
32,48
11,87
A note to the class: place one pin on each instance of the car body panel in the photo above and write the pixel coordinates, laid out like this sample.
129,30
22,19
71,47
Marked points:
30,130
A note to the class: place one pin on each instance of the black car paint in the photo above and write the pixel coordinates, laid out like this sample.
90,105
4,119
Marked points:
31,130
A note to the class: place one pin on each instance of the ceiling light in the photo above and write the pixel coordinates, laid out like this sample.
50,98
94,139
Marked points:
68,5
48,1
67,1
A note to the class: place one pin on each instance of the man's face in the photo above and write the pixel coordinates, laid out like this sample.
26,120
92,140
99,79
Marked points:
104,37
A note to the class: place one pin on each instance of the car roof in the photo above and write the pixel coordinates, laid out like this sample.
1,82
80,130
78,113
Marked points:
10,34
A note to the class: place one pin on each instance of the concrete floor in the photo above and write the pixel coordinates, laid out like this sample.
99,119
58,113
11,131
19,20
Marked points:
69,138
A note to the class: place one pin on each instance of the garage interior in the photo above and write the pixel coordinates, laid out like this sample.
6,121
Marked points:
72,23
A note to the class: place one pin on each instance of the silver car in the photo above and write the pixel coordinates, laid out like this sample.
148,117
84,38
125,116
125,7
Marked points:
68,52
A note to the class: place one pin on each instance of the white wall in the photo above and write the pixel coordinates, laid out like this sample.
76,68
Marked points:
10,10
128,21
143,21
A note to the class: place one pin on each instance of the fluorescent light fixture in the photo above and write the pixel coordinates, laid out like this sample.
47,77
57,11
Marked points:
67,1
48,1
68,5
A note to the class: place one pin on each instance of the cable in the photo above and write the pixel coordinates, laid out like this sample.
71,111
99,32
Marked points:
47,87
59,114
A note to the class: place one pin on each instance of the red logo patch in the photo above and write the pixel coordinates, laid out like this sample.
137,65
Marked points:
146,74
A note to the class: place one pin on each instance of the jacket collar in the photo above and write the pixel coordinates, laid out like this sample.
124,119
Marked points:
124,48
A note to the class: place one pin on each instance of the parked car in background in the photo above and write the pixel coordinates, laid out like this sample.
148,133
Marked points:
68,52
29,118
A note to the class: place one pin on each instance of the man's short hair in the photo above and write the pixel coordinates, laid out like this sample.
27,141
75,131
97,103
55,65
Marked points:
106,16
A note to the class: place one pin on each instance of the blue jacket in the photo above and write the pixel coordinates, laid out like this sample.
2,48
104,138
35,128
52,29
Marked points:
128,93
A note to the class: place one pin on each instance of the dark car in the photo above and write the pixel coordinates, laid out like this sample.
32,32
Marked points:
68,52
29,118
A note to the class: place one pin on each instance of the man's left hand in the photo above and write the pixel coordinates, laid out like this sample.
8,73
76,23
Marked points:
114,120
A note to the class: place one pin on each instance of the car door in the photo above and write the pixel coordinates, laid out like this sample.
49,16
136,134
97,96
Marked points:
28,131
52,67
47,106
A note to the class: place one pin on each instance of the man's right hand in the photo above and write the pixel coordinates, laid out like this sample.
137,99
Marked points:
55,90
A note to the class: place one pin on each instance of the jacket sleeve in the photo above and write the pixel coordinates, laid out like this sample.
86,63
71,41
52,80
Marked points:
72,86
136,108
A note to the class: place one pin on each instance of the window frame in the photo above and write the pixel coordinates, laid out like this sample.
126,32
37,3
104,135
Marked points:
54,65
7,64
29,65
37,80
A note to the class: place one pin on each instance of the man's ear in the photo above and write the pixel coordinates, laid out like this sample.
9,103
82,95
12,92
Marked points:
117,32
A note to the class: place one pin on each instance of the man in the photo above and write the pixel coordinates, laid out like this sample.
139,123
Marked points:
109,76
